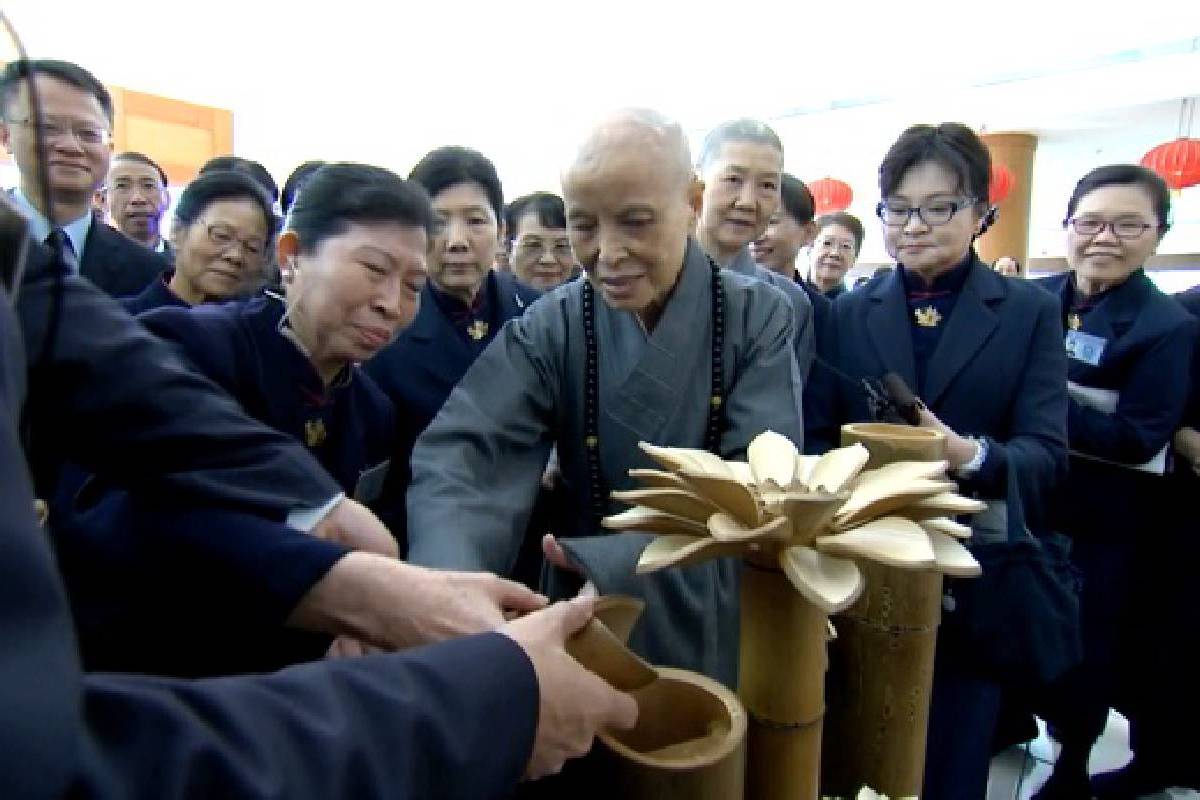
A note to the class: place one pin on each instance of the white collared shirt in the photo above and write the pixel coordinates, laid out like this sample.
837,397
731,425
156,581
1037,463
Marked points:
40,226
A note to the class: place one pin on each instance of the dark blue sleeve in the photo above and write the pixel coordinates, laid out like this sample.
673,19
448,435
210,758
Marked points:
1036,444
454,720
207,336
1190,300
1150,406
117,400
820,424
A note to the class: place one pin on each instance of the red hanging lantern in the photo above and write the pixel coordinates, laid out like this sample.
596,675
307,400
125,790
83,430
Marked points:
1002,183
831,195
1178,162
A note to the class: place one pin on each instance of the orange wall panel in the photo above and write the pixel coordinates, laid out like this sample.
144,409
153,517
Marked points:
180,136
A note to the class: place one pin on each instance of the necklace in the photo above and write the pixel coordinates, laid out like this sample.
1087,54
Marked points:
591,386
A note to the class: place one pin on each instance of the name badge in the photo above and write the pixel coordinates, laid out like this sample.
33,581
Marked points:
1085,347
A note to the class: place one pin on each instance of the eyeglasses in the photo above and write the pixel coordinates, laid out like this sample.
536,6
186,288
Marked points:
534,249
1121,228
895,215
55,131
224,237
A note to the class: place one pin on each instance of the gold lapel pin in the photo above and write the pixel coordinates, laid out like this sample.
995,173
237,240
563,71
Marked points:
477,329
314,432
927,317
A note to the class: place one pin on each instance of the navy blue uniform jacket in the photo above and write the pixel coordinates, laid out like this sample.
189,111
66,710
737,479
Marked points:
156,295
1147,360
420,369
238,345
452,721
998,372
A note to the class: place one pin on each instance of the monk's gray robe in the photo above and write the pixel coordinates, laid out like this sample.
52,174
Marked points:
476,469
806,342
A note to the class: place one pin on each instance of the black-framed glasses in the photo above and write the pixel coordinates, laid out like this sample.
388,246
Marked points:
528,250
896,215
56,130
1121,228
224,237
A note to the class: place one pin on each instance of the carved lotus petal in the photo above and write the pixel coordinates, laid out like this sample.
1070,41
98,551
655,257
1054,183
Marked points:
831,584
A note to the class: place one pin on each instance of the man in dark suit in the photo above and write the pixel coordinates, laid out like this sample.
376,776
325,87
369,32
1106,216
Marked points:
136,198
464,718
76,132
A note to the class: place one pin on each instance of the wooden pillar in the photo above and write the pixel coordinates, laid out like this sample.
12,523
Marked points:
1009,236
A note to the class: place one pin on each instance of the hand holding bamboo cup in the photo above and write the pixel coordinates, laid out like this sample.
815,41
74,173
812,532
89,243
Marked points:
690,737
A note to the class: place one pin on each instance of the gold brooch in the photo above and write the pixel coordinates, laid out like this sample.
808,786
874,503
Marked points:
314,432
477,329
927,317
1074,322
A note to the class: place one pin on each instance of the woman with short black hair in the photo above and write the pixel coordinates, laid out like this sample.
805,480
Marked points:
463,306
354,254
984,355
539,249
1130,350
221,235
834,251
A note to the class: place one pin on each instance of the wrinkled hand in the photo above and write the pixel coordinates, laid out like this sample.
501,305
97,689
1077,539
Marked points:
574,703
390,604
354,525
959,449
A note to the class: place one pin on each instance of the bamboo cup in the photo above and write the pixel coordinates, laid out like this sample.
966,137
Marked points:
689,743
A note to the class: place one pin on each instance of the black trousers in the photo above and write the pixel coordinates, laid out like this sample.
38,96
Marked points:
1077,705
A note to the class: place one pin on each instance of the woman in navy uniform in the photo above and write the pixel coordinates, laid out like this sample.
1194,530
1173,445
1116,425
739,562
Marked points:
462,308
984,355
834,251
1130,349
354,255
222,231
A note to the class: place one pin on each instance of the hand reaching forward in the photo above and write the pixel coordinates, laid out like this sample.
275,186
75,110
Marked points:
354,525
574,703
390,604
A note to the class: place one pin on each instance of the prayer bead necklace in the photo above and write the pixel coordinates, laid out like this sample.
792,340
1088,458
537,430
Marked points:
591,385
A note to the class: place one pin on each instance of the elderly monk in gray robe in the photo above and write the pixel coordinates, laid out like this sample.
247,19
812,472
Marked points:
741,164
597,365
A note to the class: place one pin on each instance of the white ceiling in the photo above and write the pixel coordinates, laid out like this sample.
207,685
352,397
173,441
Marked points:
519,78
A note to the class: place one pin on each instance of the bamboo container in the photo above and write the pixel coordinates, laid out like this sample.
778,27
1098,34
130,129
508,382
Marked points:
879,706
689,743
782,684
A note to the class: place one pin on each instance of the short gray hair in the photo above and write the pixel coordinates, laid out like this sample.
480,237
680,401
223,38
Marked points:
738,130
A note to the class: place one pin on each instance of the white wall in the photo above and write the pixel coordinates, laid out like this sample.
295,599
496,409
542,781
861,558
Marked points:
1063,157
385,83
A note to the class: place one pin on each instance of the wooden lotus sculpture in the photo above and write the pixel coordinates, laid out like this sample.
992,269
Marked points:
809,514
801,523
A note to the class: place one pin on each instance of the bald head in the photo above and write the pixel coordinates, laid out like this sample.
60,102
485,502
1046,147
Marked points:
631,200
639,134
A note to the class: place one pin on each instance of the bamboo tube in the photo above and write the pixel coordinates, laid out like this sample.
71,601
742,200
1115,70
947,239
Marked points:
689,743
887,443
879,706
782,684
